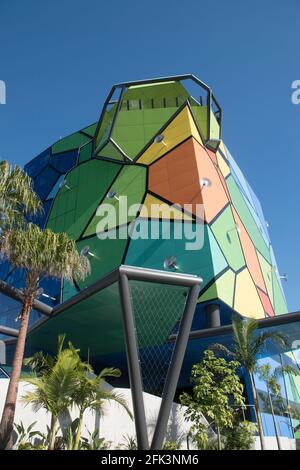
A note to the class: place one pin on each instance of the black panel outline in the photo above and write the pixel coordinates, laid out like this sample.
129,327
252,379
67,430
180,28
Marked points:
101,201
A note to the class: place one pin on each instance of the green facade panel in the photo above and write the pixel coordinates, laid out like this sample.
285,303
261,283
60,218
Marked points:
85,152
135,128
200,115
90,130
207,262
77,201
104,131
130,185
247,218
227,236
106,255
110,151
267,272
280,306
214,127
71,142
222,288
159,95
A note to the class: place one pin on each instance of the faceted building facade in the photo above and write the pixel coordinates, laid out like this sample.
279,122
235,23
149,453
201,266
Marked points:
123,154
157,142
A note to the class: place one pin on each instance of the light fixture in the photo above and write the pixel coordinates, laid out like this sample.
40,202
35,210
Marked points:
205,183
48,296
40,293
236,227
159,139
85,251
112,195
284,277
63,184
261,227
170,263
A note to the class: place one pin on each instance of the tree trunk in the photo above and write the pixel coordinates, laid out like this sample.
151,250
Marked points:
274,420
78,431
258,417
52,432
219,439
7,421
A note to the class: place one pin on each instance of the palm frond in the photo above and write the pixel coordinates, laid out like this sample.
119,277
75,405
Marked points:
35,399
17,197
108,395
60,344
109,372
39,362
43,253
277,338
287,369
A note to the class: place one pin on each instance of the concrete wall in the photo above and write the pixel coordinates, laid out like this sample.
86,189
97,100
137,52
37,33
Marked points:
113,425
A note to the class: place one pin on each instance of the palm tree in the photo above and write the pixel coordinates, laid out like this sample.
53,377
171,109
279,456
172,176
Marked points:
271,381
247,344
90,394
64,381
55,385
17,197
40,254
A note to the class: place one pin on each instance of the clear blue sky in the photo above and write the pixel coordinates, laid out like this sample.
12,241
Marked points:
60,57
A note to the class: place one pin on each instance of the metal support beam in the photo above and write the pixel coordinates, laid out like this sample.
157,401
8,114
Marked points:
175,368
161,277
278,320
213,317
134,370
6,330
2,352
17,294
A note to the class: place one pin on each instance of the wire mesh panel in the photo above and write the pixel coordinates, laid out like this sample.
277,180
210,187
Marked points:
157,310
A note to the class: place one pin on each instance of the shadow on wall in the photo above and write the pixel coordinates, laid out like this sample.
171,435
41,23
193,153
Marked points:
104,423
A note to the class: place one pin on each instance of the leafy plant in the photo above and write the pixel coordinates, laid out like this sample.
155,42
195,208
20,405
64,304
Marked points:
90,394
216,388
171,444
129,442
69,435
94,442
203,437
53,390
25,435
240,436
66,381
